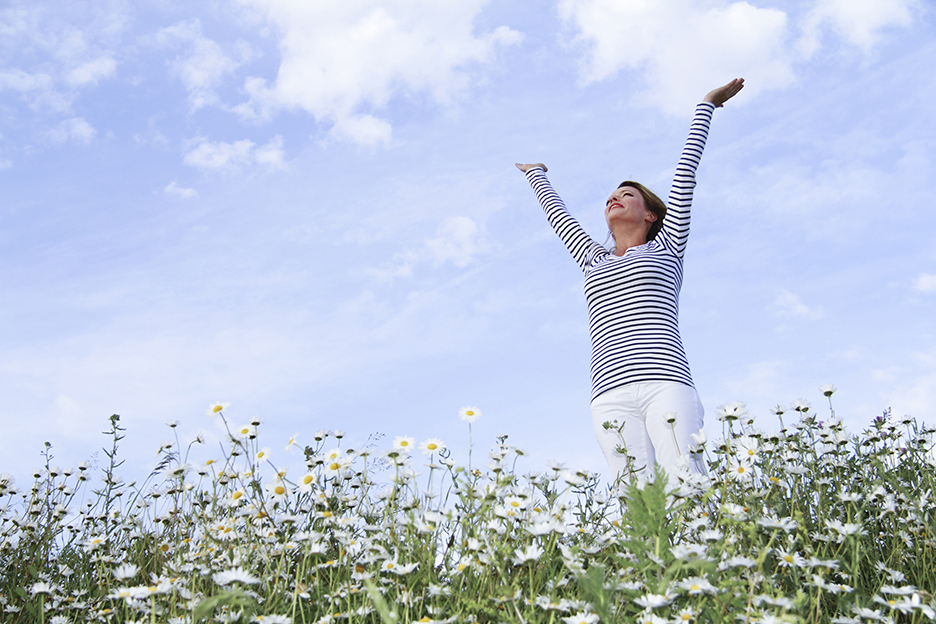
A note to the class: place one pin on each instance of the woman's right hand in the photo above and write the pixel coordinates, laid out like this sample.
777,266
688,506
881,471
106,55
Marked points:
525,168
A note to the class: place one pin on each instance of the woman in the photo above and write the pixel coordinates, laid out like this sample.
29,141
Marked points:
642,390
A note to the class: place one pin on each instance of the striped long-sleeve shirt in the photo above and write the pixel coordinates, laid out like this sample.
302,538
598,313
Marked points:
633,300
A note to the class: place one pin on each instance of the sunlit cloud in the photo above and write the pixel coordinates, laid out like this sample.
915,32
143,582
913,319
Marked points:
341,63
861,23
91,72
457,241
789,305
925,282
74,129
682,47
226,157
685,47
203,65
177,191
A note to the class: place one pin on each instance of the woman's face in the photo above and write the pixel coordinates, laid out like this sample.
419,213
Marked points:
626,205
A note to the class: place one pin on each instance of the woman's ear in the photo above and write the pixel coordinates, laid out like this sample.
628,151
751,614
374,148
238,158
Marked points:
651,216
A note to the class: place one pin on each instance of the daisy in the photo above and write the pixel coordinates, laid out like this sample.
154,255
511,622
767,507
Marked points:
235,575
740,471
404,443
573,478
307,483
214,408
745,448
582,617
515,503
787,524
125,571
432,445
470,414
532,553
41,588
652,601
245,431
800,405
697,585
788,559
730,411
278,490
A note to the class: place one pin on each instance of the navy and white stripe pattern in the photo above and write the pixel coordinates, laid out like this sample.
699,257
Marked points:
633,300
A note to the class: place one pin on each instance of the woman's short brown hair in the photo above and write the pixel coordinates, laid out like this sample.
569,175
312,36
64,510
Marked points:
653,203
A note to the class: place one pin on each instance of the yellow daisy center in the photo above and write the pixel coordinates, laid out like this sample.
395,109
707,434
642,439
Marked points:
307,480
432,446
216,409
280,490
334,466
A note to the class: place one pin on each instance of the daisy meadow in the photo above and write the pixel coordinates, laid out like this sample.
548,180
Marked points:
790,526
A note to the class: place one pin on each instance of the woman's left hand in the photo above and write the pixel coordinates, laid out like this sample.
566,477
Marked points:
722,94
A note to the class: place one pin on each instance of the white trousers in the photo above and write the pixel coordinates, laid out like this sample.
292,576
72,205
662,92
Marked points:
654,421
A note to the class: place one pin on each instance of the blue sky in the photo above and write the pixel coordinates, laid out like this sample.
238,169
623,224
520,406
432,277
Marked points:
310,210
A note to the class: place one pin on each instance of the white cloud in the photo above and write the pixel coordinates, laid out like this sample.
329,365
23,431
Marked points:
228,157
51,50
363,129
685,47
912,386
183,193
6,163
204,65
457,240
91,72
859,22
271,154
925,282
74,129
18,80
342,60
788,305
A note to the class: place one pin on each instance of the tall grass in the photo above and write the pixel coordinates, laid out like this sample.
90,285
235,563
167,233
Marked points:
807,524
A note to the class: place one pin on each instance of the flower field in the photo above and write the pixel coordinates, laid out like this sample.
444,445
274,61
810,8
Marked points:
805,524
